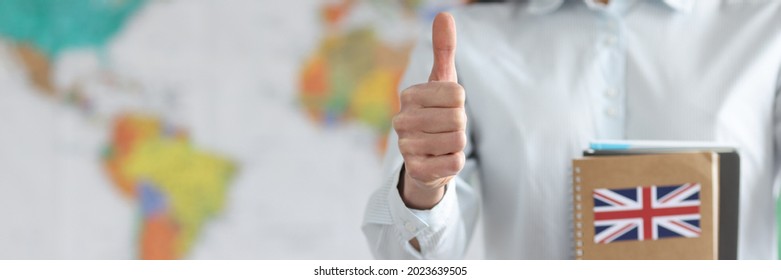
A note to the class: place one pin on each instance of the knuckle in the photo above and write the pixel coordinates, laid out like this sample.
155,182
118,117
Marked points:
451,168
459,141
459,94
461,118
403,122
455,91
457,162
407,96
397,123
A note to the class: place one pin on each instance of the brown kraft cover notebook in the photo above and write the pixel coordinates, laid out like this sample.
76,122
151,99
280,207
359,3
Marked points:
658,206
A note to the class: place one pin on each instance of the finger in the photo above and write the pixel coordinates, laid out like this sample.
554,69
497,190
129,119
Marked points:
430,120
444,44
439,120
434,95
433,168
437,144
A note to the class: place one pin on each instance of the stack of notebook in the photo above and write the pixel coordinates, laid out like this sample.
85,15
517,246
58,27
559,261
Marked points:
656,200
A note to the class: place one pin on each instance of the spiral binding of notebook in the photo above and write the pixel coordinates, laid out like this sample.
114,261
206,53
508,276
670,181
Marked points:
578,213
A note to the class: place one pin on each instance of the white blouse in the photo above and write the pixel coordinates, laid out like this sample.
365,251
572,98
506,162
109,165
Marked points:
545,77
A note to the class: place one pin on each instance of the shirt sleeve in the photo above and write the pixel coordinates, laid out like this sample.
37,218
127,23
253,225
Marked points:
444,231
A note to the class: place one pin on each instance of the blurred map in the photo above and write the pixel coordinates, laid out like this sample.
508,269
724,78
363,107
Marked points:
163,129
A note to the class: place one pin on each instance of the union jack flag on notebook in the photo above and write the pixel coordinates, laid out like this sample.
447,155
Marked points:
646,213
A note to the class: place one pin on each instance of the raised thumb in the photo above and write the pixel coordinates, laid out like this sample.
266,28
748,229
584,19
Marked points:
444,40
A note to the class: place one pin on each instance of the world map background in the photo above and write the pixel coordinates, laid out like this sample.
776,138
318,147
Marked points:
196,128
232,129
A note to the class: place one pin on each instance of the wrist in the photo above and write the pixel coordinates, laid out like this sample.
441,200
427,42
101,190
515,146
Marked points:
416,196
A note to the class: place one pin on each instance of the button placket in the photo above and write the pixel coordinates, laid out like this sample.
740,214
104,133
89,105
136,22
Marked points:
611,97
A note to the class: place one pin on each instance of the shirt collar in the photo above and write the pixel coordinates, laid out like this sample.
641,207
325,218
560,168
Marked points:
547,6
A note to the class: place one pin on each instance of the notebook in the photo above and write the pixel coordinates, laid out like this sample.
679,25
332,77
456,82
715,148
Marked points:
656,202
